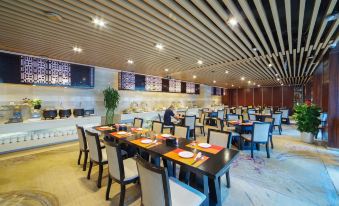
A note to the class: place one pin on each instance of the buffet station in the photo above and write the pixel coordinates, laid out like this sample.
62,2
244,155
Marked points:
26,125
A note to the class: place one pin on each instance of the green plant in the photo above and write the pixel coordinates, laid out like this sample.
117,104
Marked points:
36,102
111,100
307,117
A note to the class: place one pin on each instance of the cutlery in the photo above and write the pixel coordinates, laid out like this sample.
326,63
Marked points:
197,158
152,143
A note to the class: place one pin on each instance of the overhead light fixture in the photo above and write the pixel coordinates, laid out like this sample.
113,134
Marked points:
282,84
98,22
214,81
269,65
332,17
166,70
200,62
242,78
194,76
232,85
53,16
310,57
226,71
258,85
253,83
278,79
276,75
77,49
232,21
130,61
249,82
159,46
254,49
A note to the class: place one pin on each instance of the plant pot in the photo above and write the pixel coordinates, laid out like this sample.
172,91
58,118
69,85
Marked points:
307,137
37,106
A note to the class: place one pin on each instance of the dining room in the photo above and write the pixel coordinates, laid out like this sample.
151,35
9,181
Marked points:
169,102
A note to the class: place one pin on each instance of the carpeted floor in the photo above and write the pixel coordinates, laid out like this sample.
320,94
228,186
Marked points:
296,174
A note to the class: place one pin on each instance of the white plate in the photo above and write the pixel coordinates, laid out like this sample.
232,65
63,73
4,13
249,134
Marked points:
166,135
146,141
121,132
139,129
105,127
204,145
186,154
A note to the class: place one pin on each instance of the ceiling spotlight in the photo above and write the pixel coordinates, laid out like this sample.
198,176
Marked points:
278,79
282,84
166,70
332,17
232,21
214,81
276,75
159,46
130,61
194,76
253,83
53,16
310,57
232,85
226,72
242,78
254,49
200,62
77,49
99,22
258,85
249,82
269,65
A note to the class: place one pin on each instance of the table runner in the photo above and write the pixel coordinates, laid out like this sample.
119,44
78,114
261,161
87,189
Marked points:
138,142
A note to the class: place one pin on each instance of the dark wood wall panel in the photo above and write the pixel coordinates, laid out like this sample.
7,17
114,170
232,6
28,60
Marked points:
320,84
241,97
288,94
249,96
333,99
257,96
277,97
233,97
267,96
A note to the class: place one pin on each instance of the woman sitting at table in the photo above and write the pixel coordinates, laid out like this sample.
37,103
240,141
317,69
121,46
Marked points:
168,116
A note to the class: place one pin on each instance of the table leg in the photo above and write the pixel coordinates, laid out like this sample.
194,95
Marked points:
215,191
169,165
155,160
206,190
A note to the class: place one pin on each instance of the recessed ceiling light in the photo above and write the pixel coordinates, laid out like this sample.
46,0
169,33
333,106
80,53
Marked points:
276,75
77,49
242,78
269,65
258,85
232,85
310,57
232,21
200,62
282,84
278,79
253,83
130,61
166,70
159,46
249,82
226,71
99,22
254,49
194,76
53,16
214,81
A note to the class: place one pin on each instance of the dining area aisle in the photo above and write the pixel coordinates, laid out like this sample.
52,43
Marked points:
296,174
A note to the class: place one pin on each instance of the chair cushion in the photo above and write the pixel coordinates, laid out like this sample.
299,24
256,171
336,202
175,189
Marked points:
131,171
248,137
182,194
199,124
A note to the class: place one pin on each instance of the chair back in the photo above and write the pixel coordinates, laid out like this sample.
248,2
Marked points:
220,124
190,121
245,116
157,127
277,119
115,162
159,117
323,117
156,178
238,111
220,138
261,132
284,113
227,110
81,138
232,117
252,117
94,146
220,114
181,131
267,111
138,122
251,111
202,118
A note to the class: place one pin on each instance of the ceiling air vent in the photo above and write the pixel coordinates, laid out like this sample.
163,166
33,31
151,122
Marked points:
53,16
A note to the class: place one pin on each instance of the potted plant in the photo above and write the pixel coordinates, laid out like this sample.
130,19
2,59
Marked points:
36,103
111,100
307,120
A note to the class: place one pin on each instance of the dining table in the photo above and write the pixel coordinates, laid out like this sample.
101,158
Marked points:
213,163
242,127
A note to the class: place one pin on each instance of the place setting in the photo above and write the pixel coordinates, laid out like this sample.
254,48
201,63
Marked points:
187,157
205,147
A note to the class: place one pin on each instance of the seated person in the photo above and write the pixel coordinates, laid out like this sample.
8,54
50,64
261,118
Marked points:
168,115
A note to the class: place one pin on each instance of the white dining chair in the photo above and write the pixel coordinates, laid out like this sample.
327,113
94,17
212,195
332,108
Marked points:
190,123
138,122
181,131
260,135
157,127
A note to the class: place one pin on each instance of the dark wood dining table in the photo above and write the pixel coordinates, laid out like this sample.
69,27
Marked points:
211,170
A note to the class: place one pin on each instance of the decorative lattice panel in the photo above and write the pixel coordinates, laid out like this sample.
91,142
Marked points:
174,85
59,73
153,84
127,81
33,70
190,88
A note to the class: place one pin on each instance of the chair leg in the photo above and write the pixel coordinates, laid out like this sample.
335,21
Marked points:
228,179
122,194
89,169
80,153
101,168
195,136
85,162
203,129
271,138
280,129
109,183
267,150
252,144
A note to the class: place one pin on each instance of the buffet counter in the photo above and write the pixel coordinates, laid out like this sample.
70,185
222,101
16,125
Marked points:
36,132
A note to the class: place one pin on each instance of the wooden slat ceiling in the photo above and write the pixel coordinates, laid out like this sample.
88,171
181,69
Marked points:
286,34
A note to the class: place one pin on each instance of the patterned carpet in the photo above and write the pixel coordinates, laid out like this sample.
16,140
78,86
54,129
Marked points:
296,174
